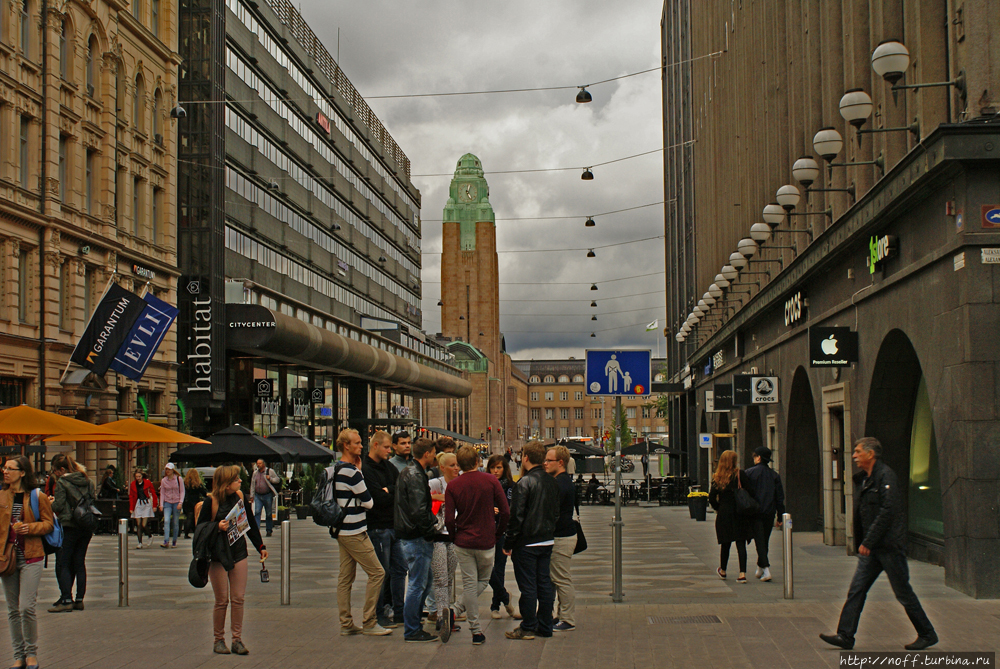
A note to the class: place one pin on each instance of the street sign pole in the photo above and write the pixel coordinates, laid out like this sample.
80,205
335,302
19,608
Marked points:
617,525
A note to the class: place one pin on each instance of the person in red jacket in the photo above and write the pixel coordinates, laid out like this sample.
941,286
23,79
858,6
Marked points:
141,502
476,515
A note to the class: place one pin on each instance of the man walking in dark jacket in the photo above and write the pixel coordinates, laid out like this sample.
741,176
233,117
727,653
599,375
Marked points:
771,498
880,539
415,525
534,509
380,478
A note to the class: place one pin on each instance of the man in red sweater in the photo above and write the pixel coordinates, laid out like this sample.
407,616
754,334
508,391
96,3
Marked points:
476,514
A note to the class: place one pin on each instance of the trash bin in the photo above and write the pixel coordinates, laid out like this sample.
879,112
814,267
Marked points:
698,506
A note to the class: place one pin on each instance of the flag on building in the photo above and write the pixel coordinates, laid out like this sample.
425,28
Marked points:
653,326
107,329
148,331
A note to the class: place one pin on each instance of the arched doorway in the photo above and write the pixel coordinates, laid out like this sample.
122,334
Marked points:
900,416
753,433
802,473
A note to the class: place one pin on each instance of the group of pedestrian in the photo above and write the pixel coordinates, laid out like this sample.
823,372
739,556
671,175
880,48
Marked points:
416,517
879,532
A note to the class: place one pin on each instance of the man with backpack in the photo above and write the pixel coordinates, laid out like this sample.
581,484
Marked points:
771,497
351,493
263,492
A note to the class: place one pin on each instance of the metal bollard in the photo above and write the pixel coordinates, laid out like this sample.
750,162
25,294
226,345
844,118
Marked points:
123,562
786,544
286,566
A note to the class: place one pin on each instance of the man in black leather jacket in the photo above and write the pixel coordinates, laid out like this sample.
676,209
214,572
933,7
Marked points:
770,496
880,539
414,523
534,510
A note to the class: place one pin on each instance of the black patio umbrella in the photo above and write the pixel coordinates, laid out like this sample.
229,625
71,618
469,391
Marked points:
638,448
579,449
302,449
233,444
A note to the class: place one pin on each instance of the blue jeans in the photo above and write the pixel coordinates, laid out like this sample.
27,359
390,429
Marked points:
417,553
263,501
893,563
531,569
389,554
500,594
171,520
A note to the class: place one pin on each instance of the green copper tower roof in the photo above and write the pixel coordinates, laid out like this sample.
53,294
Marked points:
468,200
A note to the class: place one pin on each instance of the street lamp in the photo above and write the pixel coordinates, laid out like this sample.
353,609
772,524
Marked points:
584,95
828,143
737,261
760,232
587,174
729,272
856,107
591,254
891,59
805,170
721,282
714,290
788,197
708,298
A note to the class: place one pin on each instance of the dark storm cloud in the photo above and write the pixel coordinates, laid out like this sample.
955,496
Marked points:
392,48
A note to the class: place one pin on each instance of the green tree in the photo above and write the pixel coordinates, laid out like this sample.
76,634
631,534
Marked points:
620,426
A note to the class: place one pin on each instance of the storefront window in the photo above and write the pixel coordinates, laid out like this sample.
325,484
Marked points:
925,512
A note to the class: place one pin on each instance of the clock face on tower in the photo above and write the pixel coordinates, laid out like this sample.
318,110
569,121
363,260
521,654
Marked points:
467,192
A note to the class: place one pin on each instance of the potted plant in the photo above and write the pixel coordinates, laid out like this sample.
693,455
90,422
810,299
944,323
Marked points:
698,504
282,513
308,486
301,511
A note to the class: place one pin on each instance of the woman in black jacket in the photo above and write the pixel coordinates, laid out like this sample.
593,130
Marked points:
729,525
194,492
499,466
229,586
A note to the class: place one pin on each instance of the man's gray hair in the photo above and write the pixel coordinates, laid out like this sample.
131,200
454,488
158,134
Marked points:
870,444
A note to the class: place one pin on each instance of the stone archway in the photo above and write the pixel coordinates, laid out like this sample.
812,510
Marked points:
802,473
900,416
753,434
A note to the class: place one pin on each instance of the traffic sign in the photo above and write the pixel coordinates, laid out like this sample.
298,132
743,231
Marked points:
616,372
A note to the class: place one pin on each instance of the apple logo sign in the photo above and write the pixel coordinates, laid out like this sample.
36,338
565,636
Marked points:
829,345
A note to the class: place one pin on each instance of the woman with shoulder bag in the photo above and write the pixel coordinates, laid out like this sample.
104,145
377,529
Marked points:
499,466
194,492
229,586
730,526
72,486
21,535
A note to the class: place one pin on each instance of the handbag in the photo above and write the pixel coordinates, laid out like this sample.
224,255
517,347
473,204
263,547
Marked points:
8,559
581,540
52,541
746,505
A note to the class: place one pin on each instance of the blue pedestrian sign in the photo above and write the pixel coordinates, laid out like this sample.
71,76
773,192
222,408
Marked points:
618,373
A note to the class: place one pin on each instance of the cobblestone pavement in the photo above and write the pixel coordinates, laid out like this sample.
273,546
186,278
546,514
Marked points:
669,576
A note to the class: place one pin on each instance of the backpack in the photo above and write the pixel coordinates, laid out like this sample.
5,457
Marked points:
84,513
326,511
52,541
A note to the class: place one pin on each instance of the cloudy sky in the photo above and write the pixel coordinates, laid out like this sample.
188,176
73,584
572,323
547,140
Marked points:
394,48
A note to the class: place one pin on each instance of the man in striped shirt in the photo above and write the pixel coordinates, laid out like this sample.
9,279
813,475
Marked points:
355,546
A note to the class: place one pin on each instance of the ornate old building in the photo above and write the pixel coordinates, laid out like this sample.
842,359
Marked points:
87,192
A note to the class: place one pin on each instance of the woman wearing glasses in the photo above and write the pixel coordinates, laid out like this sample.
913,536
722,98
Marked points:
20,527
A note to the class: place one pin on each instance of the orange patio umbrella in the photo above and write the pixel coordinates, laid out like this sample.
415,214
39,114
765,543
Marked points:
25,425
132,434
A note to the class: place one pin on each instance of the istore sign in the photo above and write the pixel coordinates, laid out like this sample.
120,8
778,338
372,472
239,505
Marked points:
832,347
881,248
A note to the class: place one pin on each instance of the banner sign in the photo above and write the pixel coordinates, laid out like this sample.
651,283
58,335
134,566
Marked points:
108,329
147,333
832,346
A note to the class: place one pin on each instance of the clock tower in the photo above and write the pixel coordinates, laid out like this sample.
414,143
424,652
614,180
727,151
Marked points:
470,283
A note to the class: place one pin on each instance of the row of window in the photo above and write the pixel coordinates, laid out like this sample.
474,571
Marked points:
578,413
27,287
563,378
564,432
563,396
250,248
242,70
246,188
247,19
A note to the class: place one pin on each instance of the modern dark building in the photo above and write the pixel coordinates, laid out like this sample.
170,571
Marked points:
832,241
299,237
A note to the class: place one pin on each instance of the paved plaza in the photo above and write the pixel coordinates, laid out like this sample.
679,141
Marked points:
671,595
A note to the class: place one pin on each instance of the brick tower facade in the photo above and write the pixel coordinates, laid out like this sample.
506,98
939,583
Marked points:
470,282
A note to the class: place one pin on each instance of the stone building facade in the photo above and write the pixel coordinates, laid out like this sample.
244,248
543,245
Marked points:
894,238
87,193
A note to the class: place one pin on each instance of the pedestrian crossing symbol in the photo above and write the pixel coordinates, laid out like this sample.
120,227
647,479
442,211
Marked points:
618,372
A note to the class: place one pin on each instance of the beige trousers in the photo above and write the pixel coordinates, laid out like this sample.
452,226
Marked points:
562,578
357,549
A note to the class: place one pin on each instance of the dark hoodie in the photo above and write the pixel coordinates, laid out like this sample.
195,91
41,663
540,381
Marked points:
69,490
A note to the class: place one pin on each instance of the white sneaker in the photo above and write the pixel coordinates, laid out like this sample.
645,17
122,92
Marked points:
495,615
139,546
766,575
758,572
376,630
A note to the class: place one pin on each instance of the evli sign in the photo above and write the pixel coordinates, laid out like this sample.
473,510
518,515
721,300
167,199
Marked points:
832,347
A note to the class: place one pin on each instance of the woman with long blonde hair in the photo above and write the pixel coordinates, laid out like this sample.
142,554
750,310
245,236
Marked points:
194,492
229,586
730,527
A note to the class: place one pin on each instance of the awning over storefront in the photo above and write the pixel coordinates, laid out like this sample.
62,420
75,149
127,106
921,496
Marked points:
257,330
455,435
